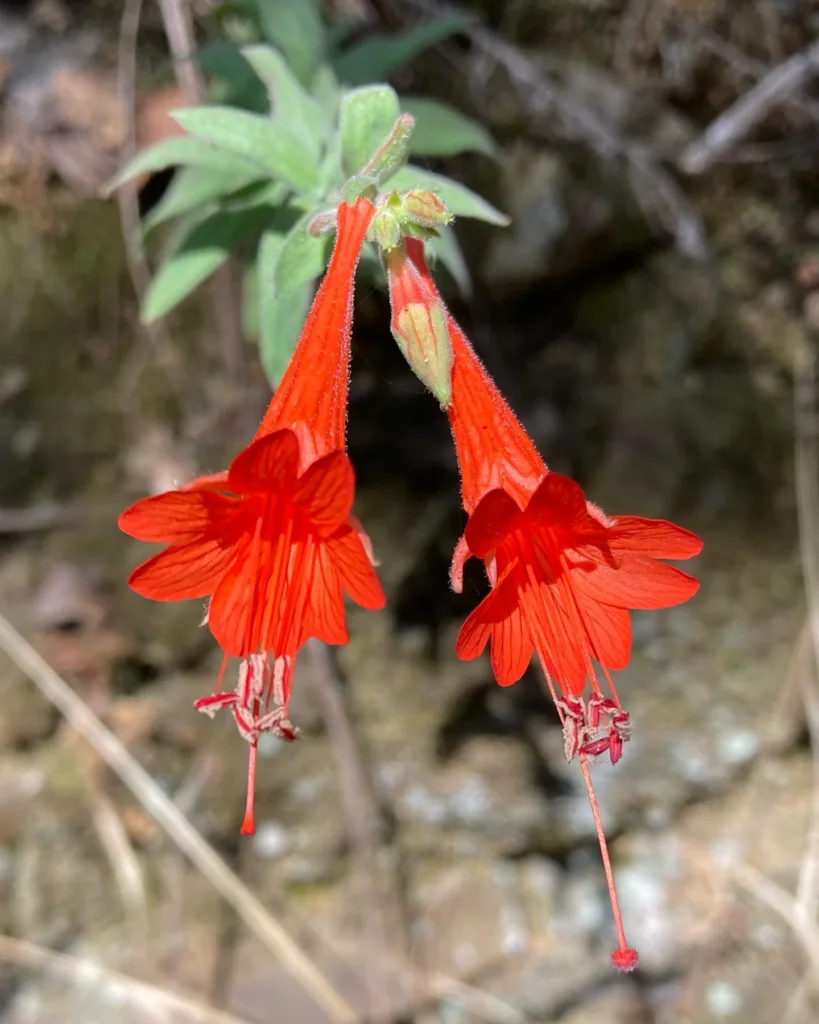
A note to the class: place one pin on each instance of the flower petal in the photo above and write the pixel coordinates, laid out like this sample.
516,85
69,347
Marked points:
324,616
638,582
325,492
558,632
559,501
350,560
177,516
267,466
492,519
655,537
609,633
498,617
183,571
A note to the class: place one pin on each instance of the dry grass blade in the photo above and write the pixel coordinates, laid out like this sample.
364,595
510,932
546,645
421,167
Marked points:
175,824
85,973
782,903
124,862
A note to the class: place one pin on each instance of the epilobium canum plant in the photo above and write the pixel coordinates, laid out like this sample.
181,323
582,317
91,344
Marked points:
272,542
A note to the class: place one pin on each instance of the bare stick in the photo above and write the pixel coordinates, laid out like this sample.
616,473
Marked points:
756,69
128,203
807,490
776,87
179,31
363,829
83,973
548,102
177,826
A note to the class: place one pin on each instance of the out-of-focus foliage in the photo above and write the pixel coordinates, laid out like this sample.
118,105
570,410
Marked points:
295,120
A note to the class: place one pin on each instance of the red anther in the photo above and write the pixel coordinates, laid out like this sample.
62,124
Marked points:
615,746
210,705
595,747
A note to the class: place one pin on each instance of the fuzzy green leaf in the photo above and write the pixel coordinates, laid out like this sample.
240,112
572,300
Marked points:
195,187
380,55
202,252
459,200
295,28
257,140
301,259
280,318
367,118
291,106
441,130
180,151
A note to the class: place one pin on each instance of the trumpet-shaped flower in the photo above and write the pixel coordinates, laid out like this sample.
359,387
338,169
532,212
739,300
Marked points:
272,541
564,575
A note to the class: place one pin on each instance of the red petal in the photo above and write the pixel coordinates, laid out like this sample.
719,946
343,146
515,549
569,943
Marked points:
267,466
559,503
183,571
639,582
493,518
498,617
325,492
609,632
655,537
355,572
324,616
177,516
558,632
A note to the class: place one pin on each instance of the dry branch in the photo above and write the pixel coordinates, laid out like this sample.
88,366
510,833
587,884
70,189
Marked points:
778,86
552,106
257,919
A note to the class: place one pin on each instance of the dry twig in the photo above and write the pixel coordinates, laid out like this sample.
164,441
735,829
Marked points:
779,85
85,974
179,32
258,920
552,106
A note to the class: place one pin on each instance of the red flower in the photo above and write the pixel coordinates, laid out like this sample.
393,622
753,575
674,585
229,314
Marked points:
279,551
563,574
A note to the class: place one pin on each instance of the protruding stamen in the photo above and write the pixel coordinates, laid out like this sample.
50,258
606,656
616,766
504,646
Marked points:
249,824
624,957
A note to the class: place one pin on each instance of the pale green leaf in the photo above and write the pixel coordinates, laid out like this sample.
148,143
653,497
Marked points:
202,252
257,140
443,131
367,118
194,187
280,318
295,28
302,258
180,151
380,55
292,107
459,200
250,302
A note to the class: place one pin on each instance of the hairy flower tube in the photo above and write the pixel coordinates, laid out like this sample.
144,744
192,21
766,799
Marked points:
272,541
563,574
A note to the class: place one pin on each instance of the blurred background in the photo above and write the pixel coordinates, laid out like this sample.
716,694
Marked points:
651,315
